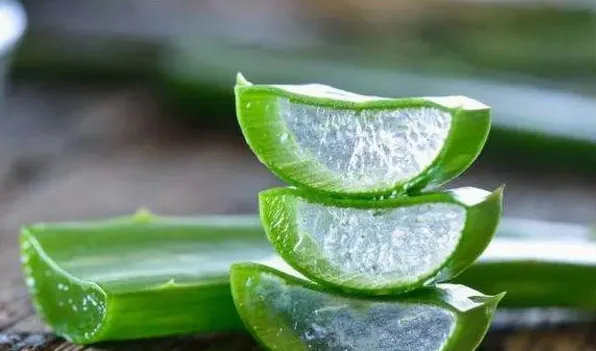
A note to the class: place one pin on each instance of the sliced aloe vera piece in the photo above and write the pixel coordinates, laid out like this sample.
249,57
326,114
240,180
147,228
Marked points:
136,277
380,246
331,140
537,273
288,313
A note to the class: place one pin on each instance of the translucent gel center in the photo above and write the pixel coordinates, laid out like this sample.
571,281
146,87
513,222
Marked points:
326,322
370,148
404,242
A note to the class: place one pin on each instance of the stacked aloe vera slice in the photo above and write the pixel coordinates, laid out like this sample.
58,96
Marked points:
366,244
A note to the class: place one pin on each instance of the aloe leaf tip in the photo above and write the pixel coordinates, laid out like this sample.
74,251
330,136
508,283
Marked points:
241,80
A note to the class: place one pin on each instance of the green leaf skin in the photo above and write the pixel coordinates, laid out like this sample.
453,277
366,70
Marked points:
258,111
137,277
537,273
278,209
255,291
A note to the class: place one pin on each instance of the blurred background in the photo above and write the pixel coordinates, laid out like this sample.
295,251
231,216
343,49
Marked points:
113,105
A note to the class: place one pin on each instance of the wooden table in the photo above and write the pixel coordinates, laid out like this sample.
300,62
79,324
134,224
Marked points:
73,153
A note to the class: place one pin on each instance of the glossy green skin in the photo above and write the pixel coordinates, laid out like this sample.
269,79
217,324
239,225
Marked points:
534,283
550,272
139,276
278,215
262,126
473,310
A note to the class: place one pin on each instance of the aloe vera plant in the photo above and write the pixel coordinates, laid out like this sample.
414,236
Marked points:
147,276
380,247
285,312
139,276
333,141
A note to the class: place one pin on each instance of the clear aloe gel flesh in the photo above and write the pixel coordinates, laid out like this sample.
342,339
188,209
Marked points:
137,277
334,141
380,247
288,313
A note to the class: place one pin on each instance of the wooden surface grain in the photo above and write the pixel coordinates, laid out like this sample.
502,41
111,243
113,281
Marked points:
70,153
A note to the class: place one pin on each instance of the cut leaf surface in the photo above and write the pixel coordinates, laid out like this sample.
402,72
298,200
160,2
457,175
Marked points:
288,313
136,277
334,141
380,246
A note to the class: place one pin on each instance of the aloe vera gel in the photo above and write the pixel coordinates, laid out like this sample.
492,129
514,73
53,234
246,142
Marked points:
289,313
365,238
385,246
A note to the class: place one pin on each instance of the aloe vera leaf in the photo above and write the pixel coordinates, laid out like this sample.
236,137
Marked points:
318,137
537,273
139,276
56,248
380,246
286,312
522,228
